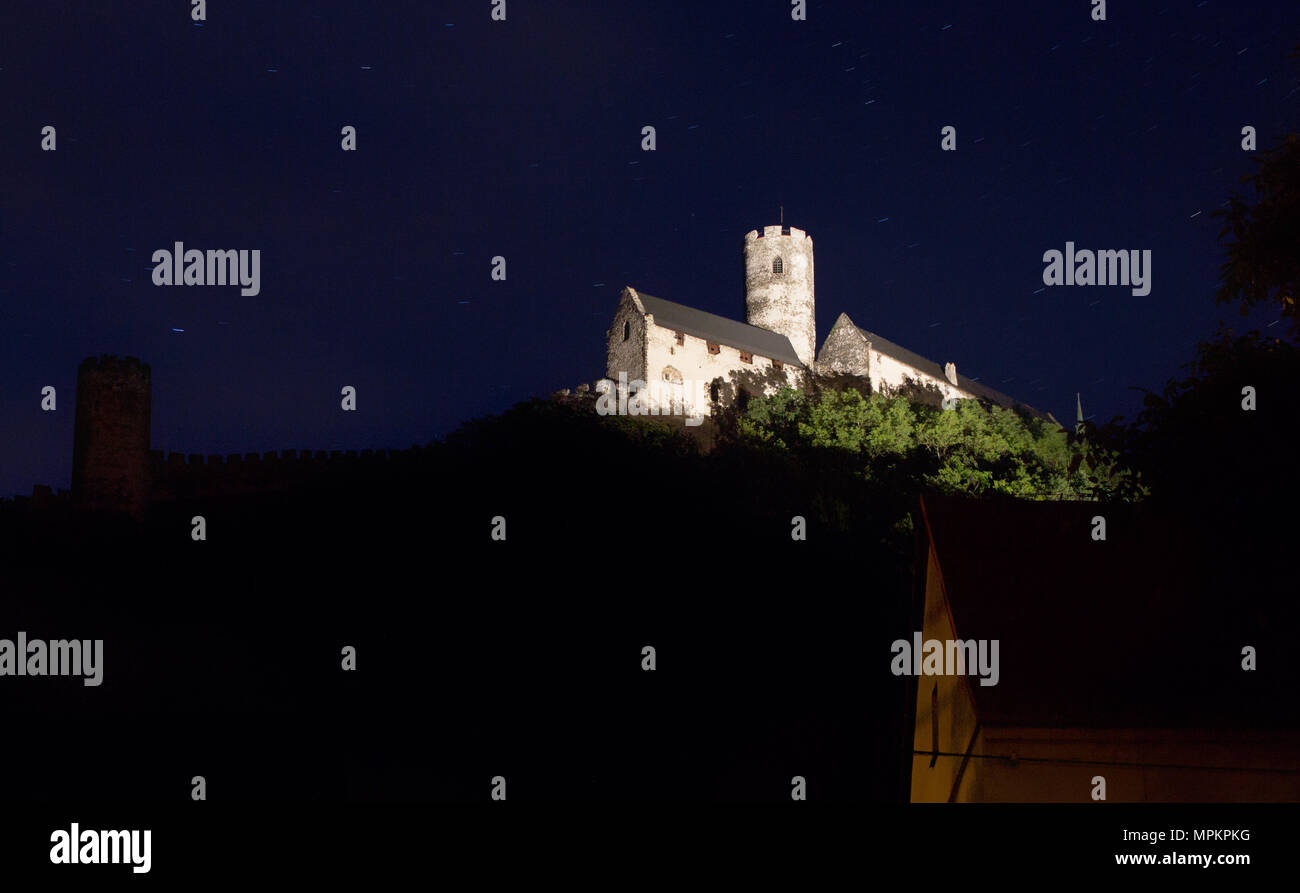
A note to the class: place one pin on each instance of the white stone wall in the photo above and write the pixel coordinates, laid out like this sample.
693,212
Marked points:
698,368
782,302
888,373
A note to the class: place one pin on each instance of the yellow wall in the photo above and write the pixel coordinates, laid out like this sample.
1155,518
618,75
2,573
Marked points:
956,706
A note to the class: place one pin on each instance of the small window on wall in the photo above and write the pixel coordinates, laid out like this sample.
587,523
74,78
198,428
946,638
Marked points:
627,329
713,348
746,357
681,337
777,266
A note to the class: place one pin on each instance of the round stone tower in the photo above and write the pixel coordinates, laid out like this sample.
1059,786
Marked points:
110,441
779,286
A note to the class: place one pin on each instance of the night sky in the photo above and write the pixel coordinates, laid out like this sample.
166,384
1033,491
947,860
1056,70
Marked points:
522,139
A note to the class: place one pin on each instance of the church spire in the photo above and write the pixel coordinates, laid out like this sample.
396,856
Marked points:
1078,413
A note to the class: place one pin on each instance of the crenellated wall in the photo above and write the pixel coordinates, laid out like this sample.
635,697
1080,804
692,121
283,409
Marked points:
115,471
186,476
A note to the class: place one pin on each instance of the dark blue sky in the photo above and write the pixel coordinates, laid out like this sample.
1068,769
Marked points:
522,139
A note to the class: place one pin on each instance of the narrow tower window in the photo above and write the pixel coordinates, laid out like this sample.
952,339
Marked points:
627,329
777,266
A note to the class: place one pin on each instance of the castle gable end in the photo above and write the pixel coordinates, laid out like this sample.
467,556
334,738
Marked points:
845,349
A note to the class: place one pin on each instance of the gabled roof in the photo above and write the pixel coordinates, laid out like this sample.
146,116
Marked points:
903,355
719,329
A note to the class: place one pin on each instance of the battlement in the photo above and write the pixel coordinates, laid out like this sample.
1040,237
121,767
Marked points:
773,232
120,365
160,459
189,475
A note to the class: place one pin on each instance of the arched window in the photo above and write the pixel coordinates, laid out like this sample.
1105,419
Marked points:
627,329
777,266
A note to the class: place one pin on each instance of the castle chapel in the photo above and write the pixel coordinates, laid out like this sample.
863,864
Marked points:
685,356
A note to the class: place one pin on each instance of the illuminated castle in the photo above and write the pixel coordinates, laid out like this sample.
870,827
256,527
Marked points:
669,345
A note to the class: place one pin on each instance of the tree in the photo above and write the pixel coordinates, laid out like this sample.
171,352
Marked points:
1263,261
973,449
1197,443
